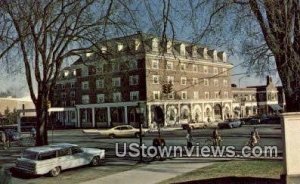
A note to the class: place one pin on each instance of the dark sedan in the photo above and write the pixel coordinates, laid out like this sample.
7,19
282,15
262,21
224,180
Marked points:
232,123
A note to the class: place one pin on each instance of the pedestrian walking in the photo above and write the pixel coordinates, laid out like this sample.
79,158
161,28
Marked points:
189,139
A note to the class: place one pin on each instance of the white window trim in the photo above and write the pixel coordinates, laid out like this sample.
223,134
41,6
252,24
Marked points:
102,96
131,80
153,81
171,64
184,68
117,94
114,82
206,80
183,79
153,62
134,93
158,94
183,92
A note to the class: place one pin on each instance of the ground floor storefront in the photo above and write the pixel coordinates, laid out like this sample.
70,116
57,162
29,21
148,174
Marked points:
132,113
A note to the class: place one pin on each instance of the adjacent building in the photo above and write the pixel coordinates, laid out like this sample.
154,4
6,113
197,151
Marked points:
258,100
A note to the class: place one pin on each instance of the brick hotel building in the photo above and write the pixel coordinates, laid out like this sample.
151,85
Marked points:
104,88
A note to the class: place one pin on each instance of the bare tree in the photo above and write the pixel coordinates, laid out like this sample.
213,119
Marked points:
45,33
265,32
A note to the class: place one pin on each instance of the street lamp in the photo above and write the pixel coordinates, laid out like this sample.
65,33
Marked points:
140,112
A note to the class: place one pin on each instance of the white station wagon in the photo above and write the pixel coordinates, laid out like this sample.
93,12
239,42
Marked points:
52,159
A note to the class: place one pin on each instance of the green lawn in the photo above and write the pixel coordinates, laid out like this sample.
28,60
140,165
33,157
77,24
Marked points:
255,168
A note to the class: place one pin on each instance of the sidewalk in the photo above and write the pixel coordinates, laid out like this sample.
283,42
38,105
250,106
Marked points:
154,172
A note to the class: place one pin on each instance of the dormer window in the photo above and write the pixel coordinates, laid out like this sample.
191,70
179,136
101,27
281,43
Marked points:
120,46
182,49
103,49
155,44
137,44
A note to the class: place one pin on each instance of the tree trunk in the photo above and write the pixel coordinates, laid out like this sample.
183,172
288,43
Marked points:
289,72
42,121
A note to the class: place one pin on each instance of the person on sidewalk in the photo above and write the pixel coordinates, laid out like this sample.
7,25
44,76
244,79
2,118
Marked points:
256,133
189,139
216,137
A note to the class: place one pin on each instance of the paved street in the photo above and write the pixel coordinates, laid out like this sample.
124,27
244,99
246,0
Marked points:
270,135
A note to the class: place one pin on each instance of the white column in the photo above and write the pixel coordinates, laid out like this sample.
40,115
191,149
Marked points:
178,113
93,117
108,117
165,113
203,110
125,115
149,114
19,122
78,117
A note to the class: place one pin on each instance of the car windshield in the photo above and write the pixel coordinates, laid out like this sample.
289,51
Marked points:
29,155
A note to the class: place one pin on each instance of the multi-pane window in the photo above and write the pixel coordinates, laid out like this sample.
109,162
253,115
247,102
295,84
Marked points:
170,79
182,66
99,69
171,95
183,80
169,65
225,83
216,71
155,64
216,82
85,85
195,81
217,94
206,94
196,95
183,95
72,103
134,80
133,64
206,82
195,68
72,94
155,79
225,94
134,95
85,99
205,69
116,82
156,95
115,67
100,83
100,98
117,97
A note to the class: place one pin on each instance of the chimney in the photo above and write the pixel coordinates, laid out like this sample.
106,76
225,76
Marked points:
269,80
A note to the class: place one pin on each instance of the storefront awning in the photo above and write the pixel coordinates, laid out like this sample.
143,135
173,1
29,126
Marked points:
275,107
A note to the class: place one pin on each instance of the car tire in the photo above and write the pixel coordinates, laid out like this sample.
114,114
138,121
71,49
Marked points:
55,171
95,161
111,136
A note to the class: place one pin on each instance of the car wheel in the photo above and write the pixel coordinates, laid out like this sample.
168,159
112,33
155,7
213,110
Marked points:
112,136
137,134
95,161
55,172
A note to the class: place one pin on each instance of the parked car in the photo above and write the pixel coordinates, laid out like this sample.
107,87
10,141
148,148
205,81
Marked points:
193,125
271,120
253,121
230,123
118,131
52,159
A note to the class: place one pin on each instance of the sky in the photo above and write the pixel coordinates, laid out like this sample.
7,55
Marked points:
185,29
